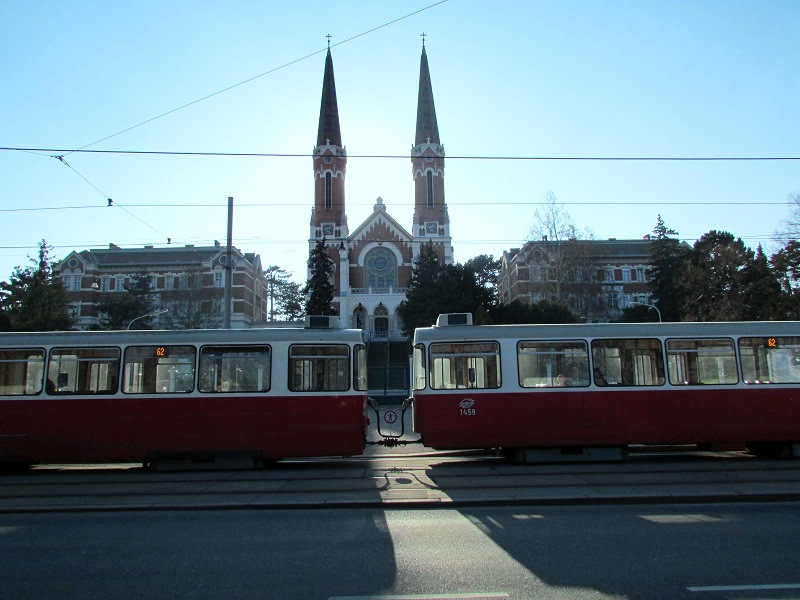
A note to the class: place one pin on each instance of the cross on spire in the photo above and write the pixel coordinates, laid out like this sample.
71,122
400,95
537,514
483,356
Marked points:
423,35
329,41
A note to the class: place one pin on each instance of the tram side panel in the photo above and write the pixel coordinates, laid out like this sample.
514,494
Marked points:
276,400
629,387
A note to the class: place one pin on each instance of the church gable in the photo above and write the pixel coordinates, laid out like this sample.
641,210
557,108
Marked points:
380,252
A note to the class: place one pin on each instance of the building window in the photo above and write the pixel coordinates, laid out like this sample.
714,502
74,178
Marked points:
119,284
74,311
153,282
609,275
640,275
381,268
72,283
626,275
429,176
219,279
105,284
328,192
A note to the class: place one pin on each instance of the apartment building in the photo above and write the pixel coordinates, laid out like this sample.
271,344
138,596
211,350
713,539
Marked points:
595,279
178,276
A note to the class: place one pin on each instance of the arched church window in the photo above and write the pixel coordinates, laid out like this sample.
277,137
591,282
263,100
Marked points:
328,192
430,189
380,265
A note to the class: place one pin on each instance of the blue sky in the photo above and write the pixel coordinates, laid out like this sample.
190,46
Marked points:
552,79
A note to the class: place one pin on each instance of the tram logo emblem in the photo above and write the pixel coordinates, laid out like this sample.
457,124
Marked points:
467,403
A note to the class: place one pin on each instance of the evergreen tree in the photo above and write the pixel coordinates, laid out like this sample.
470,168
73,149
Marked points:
459,290
436,288
724,280
487,270
117,311
421,306
291,306
284,299
667,257
762,294
319,290
518,313
786,265
33,299
638,313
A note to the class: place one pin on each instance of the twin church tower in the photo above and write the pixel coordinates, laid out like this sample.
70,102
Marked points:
373,263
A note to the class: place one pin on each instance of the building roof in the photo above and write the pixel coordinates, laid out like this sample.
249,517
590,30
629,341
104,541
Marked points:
607,249
115,256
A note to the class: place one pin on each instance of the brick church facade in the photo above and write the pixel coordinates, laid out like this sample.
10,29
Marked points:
372,264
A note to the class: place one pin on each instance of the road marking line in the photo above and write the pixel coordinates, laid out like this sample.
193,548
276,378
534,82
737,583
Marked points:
740,588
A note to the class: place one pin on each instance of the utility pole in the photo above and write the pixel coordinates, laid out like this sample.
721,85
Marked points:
228,269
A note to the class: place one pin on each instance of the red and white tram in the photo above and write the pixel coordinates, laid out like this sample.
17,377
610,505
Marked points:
136,396
566,387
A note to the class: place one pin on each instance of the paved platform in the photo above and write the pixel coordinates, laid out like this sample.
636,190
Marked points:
402,482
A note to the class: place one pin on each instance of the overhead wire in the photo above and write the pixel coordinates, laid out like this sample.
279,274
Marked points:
61,157
61,153
242,205
63,161
268,72
66,151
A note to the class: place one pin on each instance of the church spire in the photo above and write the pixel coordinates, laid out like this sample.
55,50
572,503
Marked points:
328,218
431,221
427,128
328,131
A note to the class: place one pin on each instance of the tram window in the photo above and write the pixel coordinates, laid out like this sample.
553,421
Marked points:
418,367
235,369
770,359
319,368
701,362
360,368
465,365
83,370
21,372
628,362
553,364
158,369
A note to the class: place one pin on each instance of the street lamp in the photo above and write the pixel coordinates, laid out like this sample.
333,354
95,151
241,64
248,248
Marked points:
653,306
151,314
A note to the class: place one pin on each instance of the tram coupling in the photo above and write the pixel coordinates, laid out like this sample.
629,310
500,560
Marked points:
390,416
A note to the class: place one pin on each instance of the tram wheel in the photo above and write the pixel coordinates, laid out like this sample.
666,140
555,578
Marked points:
14,466
770,449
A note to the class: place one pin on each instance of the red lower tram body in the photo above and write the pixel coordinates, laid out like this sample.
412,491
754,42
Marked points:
138,429
562,418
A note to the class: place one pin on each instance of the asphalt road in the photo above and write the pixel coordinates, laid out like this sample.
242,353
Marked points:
699,552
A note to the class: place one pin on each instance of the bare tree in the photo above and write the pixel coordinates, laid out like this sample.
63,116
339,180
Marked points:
789,229
563,265
189,304
552,222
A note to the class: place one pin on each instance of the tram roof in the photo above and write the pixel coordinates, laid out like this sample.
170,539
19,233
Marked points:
185,336
609,330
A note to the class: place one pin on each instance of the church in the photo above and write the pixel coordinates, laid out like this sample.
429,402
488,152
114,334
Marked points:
373,264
